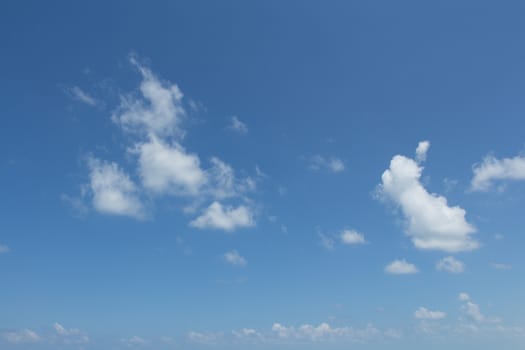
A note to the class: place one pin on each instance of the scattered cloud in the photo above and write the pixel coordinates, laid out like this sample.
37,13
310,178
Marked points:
425,314
326,241
499,266
352,237
325,332
332,164
450,264
492,169
168,168
22,336
463,296
430,221
205,338
4,249
421,151
234,258
401,267
70,336
134,341
238,126
80,95
113,191
216,216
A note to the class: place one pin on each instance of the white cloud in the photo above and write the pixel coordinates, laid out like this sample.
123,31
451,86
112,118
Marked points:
237,125
78,94
158,112
233,257
205,338
168,168
472,310
224,218
332,164
248,334
324,332
4,249
493,169
22,336
326,241
431,223
401,267
425,314
352,237
499,266
450,264
463,296
224,184
421,151
70,336
133,341
113,191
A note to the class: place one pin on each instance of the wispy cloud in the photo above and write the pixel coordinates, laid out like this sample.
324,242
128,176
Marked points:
450,264
80,95
234,258
332,164
237,125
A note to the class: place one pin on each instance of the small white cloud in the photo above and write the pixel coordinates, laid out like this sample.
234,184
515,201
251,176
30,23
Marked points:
224,183
78,94
493,169
237,125
401,267
113,191
22,336
472,310
70,336
133,341
499,266
430,221
332,164
425,314
421,151
205,338
224,218
169,169
4,249
326,241
352,237
450,264
463,296
233,257
324,332
158,112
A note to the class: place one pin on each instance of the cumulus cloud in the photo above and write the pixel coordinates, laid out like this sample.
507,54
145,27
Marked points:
159,110
492,169
216,216
425,314
166,168
80,95
4,249
233,257
113,191
401,267
430,221
332,164
450,264
237,125
22,336
352,237
421,151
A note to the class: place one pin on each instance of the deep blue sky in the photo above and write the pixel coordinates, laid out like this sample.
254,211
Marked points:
233,174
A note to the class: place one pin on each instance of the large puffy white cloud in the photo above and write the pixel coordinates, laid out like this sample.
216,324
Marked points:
493,169
113,190
430,221
166,168
217,216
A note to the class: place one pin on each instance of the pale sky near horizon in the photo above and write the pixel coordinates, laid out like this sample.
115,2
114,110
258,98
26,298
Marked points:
262,175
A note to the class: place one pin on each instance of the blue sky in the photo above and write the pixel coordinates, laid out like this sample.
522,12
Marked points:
262,175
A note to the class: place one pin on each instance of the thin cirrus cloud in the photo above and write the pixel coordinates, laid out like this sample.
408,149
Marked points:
493,169
154,118
234,258
450,264
430,222
401,267
332,164
80,95
238,126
